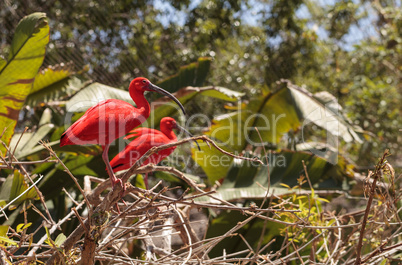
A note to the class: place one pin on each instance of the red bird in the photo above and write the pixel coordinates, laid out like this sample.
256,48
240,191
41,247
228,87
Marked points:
111,119
146,139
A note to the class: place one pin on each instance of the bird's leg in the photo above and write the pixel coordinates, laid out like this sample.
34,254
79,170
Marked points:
109,170
146,181
113,179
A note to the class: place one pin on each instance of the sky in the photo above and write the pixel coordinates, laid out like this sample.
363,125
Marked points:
250,15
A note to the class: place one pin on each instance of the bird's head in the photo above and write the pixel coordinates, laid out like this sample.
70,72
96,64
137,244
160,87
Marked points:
141,84
170,124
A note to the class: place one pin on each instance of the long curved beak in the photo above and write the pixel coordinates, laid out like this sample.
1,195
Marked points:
188,133
164,92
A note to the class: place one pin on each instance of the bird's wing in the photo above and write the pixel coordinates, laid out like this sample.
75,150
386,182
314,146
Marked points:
95,125
142,131
138,147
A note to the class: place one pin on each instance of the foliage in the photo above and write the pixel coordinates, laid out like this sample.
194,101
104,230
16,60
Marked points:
325,46
17,73
224,68
270,118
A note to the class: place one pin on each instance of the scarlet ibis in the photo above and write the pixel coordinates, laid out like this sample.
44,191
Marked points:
111,119
146,139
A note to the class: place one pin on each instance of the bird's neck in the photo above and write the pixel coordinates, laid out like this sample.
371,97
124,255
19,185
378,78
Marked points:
141,102
169,133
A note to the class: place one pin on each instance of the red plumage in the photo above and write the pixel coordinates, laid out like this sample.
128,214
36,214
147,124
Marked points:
104,122
111,119
146,139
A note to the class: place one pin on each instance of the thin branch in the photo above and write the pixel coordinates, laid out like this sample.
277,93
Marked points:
19,196
41,197
53,229
376,174
53,153
186,229
156,149
19,139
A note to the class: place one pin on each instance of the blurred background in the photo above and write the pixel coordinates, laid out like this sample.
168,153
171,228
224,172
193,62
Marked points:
351,49
335,51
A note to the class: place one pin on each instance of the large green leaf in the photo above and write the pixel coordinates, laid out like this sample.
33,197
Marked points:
212,161
163,107
275,114
56,176
23,144
4,239
14,186
323,110
29,141
254,232
22,152
17,74
93,94
54,83
51,75
193,74
250,180
160,108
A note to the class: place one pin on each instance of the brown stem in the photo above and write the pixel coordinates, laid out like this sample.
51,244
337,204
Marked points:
376,174
88,253
115,194
156,149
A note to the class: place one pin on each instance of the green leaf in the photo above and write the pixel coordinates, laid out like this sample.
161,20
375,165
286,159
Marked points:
250,180
51,75
21,227
213,162
93,94
49,240
17,75
289,109
163,107
275,114
3,236
5,189
54,83
384,262
60,239
30,141
325,113
7,240
4,230
193,74
221,93
18,187
55,145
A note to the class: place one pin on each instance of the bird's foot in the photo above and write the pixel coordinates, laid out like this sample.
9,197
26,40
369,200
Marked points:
119,182
117,208
146,181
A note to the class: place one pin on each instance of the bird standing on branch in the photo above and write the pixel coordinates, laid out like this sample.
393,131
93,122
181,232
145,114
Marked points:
111,119
146,139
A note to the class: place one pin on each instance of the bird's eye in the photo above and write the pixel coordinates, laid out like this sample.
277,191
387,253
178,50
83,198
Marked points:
144,81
